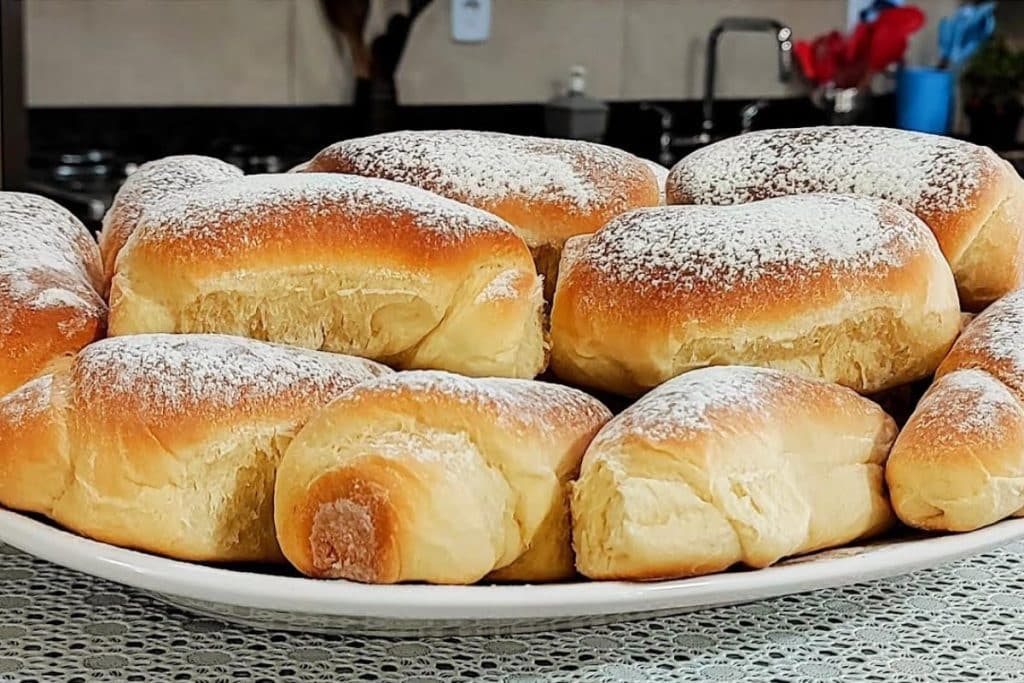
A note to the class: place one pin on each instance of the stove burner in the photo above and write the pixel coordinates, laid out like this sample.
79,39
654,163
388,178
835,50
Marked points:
91,156
86,180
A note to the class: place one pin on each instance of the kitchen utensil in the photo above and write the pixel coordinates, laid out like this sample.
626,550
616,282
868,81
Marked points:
961,34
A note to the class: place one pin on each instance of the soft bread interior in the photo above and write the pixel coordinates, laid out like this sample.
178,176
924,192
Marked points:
438,503
402,320
869,348
214,503
993,262
422,505
210,501
725,466
752,499
427,476
35,454
958,464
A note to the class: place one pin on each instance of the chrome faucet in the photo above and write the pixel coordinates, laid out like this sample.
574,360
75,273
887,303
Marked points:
665,140
784,41
749,113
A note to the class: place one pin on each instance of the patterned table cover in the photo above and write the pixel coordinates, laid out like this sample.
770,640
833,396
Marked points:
960,622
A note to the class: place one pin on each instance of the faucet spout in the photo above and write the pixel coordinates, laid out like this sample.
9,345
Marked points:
784,37
784,44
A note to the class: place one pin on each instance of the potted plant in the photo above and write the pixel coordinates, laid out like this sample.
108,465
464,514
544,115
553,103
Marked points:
992,87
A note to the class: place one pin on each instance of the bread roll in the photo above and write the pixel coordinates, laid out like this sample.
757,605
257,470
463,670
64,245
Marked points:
958,464
338,263
848,289
971,199
50,277
730,465
993,342
153,182
428,476
166,443
548,189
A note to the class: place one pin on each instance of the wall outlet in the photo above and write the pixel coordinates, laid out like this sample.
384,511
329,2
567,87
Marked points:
471,21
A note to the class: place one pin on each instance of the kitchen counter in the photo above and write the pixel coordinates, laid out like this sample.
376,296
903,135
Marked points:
964,621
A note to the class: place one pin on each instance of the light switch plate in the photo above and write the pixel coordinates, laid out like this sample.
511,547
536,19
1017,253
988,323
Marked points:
471,21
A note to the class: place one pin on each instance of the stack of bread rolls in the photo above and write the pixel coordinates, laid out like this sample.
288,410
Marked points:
336,367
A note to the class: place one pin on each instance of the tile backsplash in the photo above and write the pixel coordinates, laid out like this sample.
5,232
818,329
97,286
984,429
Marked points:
279,52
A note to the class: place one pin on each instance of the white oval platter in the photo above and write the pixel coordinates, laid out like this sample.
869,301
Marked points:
281,601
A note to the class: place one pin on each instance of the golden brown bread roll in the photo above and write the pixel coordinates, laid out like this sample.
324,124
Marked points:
729,465
336,263
971,199
166,443
152,183
994,342
958,464
848,289
429,476
50,279
548,189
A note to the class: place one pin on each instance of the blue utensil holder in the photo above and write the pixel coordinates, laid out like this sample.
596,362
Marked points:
924,99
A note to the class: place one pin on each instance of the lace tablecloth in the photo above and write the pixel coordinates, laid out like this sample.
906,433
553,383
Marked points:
964,621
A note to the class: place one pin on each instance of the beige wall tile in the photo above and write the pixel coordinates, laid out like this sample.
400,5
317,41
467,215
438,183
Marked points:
666,40
323,69
158,52
182,52
533,43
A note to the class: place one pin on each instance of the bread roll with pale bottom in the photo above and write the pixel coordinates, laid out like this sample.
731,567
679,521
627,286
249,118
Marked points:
331,262
429,476
958,464
847,289
166,443
730,465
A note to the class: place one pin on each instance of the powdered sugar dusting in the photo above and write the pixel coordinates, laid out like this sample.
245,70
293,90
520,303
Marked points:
519,401
923,173
998,334
43,252
200,214
55,297
169,375
694,246
979,402
692,401
454,451
28,400
501,287
485,168
162,178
